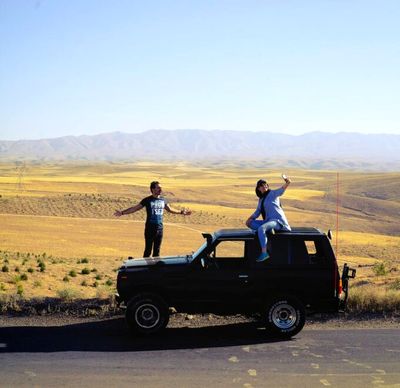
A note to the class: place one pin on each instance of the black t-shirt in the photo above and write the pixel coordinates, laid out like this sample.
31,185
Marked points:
155,209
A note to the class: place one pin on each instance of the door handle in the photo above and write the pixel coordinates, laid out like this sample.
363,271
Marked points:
243,276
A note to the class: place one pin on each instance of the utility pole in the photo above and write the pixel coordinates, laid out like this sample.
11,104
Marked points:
21,170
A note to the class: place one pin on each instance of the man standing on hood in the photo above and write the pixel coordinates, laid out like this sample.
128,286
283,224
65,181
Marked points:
155,205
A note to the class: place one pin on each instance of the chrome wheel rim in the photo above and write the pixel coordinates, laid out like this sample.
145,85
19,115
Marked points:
284,316
147,316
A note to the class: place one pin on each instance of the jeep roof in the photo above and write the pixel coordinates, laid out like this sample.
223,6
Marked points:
246,233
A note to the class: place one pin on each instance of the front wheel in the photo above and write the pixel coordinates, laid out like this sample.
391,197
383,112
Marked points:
285,317
147,313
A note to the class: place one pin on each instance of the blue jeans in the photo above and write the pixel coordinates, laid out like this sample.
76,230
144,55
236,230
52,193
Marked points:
262,228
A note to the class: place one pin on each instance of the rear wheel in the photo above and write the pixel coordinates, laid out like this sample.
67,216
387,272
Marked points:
285,317
147,313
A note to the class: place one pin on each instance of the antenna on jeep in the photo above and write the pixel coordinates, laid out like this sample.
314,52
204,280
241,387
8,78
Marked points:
337,215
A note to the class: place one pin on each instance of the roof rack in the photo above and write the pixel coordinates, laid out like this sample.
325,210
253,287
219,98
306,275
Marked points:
244,232
304,229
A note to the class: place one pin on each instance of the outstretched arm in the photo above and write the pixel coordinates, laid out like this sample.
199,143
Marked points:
287,182
130,210
184,212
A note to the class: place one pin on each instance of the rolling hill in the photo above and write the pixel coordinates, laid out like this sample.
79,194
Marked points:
314,150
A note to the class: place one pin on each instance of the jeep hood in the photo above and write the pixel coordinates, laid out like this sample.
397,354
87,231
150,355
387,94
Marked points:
150,261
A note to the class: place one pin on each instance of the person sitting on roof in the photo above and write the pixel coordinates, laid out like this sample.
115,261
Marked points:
269,207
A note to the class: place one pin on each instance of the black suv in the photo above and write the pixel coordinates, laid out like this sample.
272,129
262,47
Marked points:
223,277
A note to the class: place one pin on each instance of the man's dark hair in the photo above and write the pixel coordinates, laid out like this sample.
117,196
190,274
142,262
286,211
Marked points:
154,184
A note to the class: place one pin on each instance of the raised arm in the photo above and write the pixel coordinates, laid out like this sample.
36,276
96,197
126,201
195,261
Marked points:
287,182
130,210
184,212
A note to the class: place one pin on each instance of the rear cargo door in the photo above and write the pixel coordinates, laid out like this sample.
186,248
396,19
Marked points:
297,266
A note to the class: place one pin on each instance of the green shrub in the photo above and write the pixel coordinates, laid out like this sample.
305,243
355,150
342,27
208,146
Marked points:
24,276
37,283
98,277
16,279
72,273
84,284
2,287
395,285
93,270
84,261
109,282
379,269
66,294
30,270
65,279
95,284
42,266
4,268
20,289
85,271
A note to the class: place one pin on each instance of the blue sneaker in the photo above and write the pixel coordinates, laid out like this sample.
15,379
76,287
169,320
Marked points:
263,256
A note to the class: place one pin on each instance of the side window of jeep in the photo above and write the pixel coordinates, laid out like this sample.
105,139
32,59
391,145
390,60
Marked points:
230,253
315,252
307,252
298,252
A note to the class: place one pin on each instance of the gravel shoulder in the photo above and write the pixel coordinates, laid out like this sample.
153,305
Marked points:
320,322
56,312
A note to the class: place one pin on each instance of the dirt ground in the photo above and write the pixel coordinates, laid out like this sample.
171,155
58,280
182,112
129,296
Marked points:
316,322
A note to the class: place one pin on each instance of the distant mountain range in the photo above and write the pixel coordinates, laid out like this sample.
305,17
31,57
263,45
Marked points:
317,150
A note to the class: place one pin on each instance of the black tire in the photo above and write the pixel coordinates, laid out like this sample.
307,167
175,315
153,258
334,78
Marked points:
285,317
147,313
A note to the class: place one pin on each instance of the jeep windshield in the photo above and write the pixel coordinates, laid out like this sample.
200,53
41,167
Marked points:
201,249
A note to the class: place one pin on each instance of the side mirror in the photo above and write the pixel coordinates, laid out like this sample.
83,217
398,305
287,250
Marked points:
208,237
329,234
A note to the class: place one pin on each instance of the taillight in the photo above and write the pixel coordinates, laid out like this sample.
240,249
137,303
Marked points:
340,289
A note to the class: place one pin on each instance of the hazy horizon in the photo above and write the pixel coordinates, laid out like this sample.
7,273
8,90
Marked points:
316,150
33,137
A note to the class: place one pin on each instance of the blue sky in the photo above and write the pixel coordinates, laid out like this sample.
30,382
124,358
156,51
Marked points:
73,67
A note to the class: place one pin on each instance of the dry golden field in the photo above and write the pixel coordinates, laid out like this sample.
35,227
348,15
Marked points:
61,215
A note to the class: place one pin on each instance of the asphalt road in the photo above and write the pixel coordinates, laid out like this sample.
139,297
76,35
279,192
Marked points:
103,353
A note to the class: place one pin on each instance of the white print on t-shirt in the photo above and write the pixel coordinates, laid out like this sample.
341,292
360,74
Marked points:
157,207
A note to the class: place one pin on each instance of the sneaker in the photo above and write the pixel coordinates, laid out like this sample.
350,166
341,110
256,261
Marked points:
263,256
